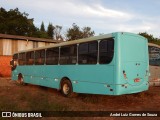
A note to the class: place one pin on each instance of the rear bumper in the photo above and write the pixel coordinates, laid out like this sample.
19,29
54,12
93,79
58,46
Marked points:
129,89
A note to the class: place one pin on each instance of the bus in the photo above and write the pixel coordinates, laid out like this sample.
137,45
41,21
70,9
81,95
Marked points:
154,62
109,64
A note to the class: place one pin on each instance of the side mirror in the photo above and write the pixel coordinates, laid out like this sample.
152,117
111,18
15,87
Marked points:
12,63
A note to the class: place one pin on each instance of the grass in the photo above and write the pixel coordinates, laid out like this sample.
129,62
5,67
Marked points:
93,99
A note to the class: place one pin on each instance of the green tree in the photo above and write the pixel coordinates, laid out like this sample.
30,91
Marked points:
150,38
42,32
42,27
50,30
86,32
75,32
16,23
3,16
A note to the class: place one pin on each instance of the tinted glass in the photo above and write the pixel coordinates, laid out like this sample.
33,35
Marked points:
30,58
87,53
39,57
68,54
154,55
52,56
22,59
15,56
106,51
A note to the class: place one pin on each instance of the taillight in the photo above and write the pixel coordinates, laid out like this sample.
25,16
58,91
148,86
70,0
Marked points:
124,75
136,80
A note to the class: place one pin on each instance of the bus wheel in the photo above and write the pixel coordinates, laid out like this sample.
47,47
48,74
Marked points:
66,88
20,79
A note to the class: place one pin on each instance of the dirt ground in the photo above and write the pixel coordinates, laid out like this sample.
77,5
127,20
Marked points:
15,97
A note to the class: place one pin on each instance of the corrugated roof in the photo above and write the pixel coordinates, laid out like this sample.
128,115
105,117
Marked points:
16,37
155,45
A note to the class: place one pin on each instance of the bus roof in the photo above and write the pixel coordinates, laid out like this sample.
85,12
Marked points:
70,42
78,41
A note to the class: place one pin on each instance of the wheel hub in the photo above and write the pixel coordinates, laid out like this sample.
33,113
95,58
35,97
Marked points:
66,89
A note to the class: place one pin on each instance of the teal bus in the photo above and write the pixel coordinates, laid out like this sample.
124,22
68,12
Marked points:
109,64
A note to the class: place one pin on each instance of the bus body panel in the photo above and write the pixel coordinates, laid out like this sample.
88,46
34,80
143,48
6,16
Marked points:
88,81
133,64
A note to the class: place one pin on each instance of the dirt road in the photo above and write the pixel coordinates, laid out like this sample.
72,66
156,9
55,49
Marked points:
14,97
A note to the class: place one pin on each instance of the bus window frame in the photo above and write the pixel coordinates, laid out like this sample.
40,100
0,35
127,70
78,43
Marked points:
88,52
32,62
40,60
107,51
57,56
70,55
24,60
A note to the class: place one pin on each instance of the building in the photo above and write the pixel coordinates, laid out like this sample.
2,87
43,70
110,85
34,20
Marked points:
10,44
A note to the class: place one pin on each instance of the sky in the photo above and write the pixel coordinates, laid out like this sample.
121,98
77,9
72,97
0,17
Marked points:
103,16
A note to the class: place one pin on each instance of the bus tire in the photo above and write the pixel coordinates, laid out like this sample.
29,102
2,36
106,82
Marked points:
20,79
66,88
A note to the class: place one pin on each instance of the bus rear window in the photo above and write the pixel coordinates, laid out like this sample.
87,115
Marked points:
106,51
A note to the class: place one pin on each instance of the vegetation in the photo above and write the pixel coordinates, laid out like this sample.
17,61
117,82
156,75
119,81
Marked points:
16,23
50,30
150,38
76,33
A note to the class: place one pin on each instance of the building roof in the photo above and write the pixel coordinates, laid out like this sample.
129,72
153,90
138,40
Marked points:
16,37
155,45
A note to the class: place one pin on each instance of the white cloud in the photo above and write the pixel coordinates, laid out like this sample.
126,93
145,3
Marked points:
105,12
72,7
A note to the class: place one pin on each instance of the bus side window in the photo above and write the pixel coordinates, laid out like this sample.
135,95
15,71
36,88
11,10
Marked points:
87,53
39,57
68,54
22,59
82,51
52,56
30,58
106,50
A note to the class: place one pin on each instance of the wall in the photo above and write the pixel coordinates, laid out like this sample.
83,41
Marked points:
5,69
9,46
